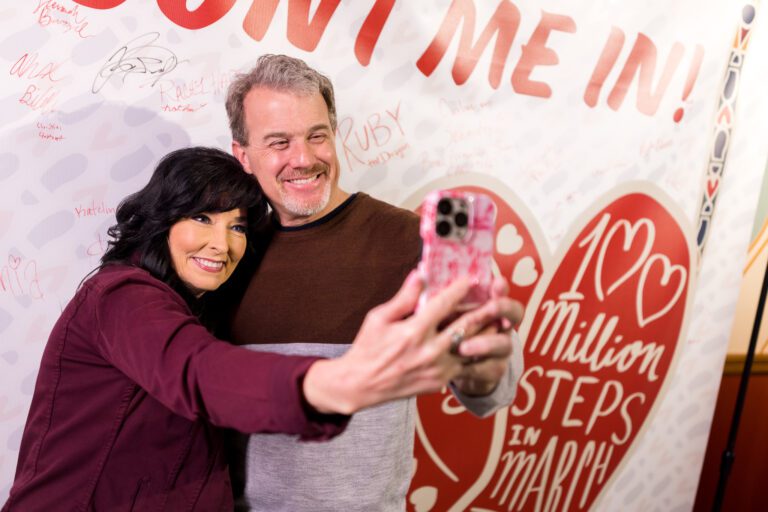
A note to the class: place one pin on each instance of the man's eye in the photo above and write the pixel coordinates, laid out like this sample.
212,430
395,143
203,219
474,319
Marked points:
318,137
279,144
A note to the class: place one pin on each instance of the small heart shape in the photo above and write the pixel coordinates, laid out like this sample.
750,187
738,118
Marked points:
525,273
630,231
423,498
508,241
14,261
668,270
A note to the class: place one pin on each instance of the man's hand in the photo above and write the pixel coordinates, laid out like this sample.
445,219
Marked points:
399,353
486,355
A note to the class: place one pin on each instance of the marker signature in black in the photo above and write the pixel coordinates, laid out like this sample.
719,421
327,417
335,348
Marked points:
137,56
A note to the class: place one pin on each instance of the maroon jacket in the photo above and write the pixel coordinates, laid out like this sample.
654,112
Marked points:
129,388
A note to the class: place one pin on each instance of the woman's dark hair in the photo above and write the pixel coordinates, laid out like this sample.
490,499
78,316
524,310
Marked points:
185,183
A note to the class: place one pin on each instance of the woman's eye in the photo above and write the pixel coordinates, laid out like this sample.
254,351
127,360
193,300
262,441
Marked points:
201,217
240,228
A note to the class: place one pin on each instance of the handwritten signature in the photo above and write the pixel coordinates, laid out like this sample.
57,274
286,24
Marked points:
57,14
20,279
137,57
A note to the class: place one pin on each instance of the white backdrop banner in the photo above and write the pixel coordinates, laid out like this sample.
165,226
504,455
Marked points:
624,146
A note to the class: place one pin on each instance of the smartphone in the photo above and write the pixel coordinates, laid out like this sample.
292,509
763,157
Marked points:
457,231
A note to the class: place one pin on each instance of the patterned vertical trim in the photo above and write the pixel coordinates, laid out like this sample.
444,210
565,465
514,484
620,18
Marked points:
724,122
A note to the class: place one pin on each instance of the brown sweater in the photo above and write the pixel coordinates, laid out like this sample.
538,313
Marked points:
316,282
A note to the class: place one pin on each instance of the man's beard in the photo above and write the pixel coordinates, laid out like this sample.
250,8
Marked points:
309,207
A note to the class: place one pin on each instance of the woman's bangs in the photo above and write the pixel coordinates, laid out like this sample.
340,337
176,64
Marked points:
223,198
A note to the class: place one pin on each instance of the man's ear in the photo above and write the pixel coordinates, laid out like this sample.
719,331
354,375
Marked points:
239,152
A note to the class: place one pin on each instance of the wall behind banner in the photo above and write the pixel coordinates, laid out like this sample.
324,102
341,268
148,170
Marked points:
749,295
563,104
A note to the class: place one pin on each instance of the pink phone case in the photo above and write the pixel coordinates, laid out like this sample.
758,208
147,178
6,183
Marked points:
454,246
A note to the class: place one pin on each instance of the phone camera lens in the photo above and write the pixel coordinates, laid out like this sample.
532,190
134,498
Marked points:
443,228
444,206
461,219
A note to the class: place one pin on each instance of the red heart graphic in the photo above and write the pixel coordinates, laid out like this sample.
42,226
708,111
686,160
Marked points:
595,368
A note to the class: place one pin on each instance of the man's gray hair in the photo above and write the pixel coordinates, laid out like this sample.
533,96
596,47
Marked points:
281,73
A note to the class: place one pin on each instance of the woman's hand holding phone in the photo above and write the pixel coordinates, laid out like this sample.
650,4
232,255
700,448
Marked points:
400,353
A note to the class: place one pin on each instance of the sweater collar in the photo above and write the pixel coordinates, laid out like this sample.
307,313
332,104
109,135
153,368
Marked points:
322,220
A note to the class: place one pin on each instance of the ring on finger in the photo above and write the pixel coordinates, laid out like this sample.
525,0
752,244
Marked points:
457,336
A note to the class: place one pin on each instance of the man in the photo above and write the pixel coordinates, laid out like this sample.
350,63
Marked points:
332,257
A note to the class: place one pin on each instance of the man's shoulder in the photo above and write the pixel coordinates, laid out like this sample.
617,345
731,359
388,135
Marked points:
380,210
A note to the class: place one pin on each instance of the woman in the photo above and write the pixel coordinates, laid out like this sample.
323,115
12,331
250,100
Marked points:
132,387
